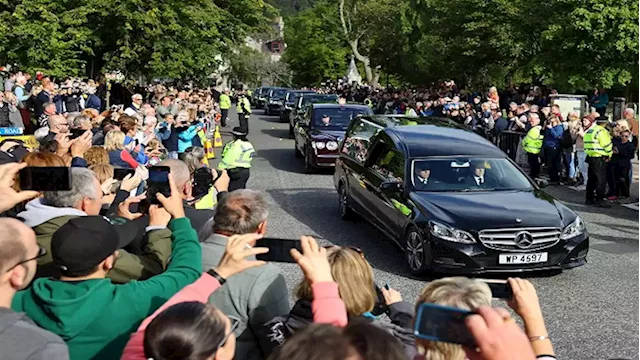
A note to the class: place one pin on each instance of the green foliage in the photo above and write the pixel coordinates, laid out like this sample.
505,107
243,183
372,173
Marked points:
316,49
154,38
290,7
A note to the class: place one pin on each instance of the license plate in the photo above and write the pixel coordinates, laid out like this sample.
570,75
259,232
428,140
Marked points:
522,258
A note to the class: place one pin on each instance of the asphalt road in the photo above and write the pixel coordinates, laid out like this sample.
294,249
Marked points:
591,311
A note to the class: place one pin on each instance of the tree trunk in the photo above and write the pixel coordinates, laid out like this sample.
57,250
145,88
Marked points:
348,33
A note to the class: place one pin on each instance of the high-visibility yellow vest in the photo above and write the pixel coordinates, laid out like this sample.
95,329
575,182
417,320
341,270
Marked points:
532,142
243,104
225,101
208,201
597,142
236,154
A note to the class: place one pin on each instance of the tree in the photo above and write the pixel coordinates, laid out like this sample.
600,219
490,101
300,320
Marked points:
253,68
316,49
48,36
153,38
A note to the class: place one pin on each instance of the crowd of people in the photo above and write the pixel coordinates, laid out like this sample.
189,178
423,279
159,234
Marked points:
99,271
556,146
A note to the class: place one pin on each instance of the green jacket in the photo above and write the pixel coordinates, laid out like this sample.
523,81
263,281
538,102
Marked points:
95,317
45,220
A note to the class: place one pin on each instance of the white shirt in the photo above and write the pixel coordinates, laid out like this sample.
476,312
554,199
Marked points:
424,181
479,180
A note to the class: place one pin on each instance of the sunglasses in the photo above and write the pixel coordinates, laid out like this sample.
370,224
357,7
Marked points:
41,252
235,322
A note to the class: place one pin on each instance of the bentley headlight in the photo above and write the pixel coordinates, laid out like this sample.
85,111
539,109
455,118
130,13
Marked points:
332,145
319,145
577,227
448,233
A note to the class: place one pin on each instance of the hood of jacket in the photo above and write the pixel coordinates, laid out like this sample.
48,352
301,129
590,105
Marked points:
37,213
63,307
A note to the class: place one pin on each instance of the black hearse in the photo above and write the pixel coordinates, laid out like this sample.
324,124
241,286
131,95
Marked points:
452,200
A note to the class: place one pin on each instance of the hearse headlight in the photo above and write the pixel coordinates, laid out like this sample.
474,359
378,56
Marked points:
576,228
318,145
332,145
448,233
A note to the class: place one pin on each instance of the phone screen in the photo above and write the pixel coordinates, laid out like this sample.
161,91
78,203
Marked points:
158,182
500,289
444,324
45,178
278,249
76,133
120,173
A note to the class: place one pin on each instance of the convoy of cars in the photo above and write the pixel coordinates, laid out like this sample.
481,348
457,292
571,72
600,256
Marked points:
319,131
453,201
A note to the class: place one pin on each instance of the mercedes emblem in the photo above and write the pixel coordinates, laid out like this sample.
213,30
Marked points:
523,239
518,220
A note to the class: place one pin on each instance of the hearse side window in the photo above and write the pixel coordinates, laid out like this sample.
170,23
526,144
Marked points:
389,163
358,139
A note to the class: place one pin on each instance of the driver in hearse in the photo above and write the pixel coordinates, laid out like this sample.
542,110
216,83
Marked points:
423,172
326,120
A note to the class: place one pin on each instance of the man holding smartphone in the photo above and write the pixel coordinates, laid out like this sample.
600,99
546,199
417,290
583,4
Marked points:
256,295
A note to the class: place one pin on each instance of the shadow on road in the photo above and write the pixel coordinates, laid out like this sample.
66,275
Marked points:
277,133
285,160
282,159
318,209
271,119
576,202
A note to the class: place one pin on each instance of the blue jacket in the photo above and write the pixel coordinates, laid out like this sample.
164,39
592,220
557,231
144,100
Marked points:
185,138
165,134
116,160
171,142
93,102
553,136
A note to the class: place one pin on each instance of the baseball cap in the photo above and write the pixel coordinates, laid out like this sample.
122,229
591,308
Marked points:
83,243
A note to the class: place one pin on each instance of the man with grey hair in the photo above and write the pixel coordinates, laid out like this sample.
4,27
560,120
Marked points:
135,107
82,122
47,214
254,296
184,184
48,110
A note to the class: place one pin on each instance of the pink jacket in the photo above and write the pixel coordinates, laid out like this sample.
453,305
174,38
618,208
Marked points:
327,308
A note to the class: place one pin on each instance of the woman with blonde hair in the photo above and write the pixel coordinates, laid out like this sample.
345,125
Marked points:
459,292
355,279
493,95
118,154
471,294
96,155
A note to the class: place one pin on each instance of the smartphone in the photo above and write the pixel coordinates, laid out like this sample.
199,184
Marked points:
158,182
500,289
121,173
202,182
76,133
444,324
278,249
45,178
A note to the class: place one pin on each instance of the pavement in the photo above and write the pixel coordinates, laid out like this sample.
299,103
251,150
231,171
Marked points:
591,311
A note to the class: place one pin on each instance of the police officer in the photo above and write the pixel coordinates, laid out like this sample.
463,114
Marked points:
225,105
244,111
236,159
532,144
598,148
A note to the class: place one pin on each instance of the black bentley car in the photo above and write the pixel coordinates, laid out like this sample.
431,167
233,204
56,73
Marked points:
320,129
260,96
274,101
290,100
303,101
453,201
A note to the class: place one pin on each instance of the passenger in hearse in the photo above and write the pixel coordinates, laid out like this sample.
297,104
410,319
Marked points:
479,178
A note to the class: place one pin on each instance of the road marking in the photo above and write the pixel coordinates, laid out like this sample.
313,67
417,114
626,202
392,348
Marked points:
631,206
